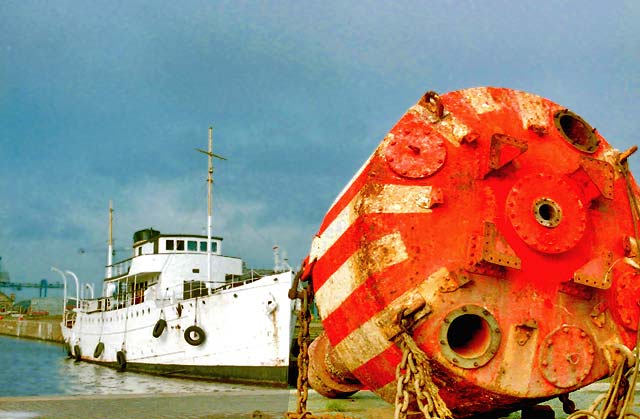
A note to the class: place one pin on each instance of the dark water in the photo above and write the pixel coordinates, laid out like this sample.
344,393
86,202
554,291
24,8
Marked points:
36,368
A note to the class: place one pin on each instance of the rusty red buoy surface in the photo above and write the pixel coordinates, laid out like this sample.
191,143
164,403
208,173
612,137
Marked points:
502,224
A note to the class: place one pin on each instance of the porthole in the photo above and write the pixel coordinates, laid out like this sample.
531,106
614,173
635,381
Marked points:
576,131
470,336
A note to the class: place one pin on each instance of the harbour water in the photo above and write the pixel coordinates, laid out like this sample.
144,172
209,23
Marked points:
37,368
38,381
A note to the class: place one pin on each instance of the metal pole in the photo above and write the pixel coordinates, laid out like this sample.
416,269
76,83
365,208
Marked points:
210,154
109,272
64,292
75,278
209,209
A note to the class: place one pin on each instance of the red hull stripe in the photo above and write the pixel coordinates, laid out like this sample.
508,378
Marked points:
380,370
358,181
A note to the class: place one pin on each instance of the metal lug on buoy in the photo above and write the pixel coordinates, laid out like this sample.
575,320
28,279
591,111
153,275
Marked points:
327,375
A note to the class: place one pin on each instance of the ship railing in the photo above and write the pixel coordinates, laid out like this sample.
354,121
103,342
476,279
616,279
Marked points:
195,289
120,268
95,304
69,318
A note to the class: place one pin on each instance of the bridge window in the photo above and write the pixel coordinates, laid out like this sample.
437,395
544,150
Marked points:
192,246
179,244
169,244
214,247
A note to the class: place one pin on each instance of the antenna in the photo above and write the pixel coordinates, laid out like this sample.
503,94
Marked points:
210,197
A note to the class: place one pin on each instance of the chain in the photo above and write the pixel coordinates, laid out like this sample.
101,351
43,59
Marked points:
305,295
618,401
302,387
413,375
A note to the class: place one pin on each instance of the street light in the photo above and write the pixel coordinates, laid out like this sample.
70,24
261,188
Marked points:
64,283
77,287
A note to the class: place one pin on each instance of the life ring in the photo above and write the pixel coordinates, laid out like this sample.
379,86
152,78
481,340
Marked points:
99,349
194,335
158,329
122,360
76,352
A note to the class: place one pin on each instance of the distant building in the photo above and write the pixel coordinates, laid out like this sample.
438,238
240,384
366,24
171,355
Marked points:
51,306
6,303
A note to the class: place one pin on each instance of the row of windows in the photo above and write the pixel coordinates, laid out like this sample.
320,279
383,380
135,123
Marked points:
191,245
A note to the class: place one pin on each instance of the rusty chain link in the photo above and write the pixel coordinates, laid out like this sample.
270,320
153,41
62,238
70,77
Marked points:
431,101
305,295
302,387
618,401
413,377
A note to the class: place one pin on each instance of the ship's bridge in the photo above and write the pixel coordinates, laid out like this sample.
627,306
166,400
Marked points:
149,241
151,249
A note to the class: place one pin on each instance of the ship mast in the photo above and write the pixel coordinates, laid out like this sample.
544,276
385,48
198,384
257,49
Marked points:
211,155
110,242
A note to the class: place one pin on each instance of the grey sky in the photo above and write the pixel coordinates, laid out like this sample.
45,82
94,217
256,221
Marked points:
107,100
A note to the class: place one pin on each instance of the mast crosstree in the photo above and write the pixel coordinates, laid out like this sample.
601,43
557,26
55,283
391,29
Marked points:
210,155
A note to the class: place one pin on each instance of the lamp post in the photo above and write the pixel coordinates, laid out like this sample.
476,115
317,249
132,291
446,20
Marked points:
64,283
75,278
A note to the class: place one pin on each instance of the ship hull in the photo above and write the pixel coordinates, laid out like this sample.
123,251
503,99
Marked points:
239,334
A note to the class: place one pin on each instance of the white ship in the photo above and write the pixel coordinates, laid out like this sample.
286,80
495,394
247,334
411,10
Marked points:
178,307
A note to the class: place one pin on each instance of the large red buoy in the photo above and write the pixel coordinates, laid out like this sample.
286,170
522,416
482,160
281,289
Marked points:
503,227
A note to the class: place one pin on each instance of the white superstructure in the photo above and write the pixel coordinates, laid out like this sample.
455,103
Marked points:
160,313
181,308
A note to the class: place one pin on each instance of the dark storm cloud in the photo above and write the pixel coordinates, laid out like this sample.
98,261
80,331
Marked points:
104,101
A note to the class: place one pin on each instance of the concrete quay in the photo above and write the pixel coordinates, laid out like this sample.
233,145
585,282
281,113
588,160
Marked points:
46,328
236,404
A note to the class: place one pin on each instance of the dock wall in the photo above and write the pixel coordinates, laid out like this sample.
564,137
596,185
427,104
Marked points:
46,329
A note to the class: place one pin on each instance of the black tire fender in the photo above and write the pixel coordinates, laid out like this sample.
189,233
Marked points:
67,349
76,352
99,350
194,335
121,359
158,329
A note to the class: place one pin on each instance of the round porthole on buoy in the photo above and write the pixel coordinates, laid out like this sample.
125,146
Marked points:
470,336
